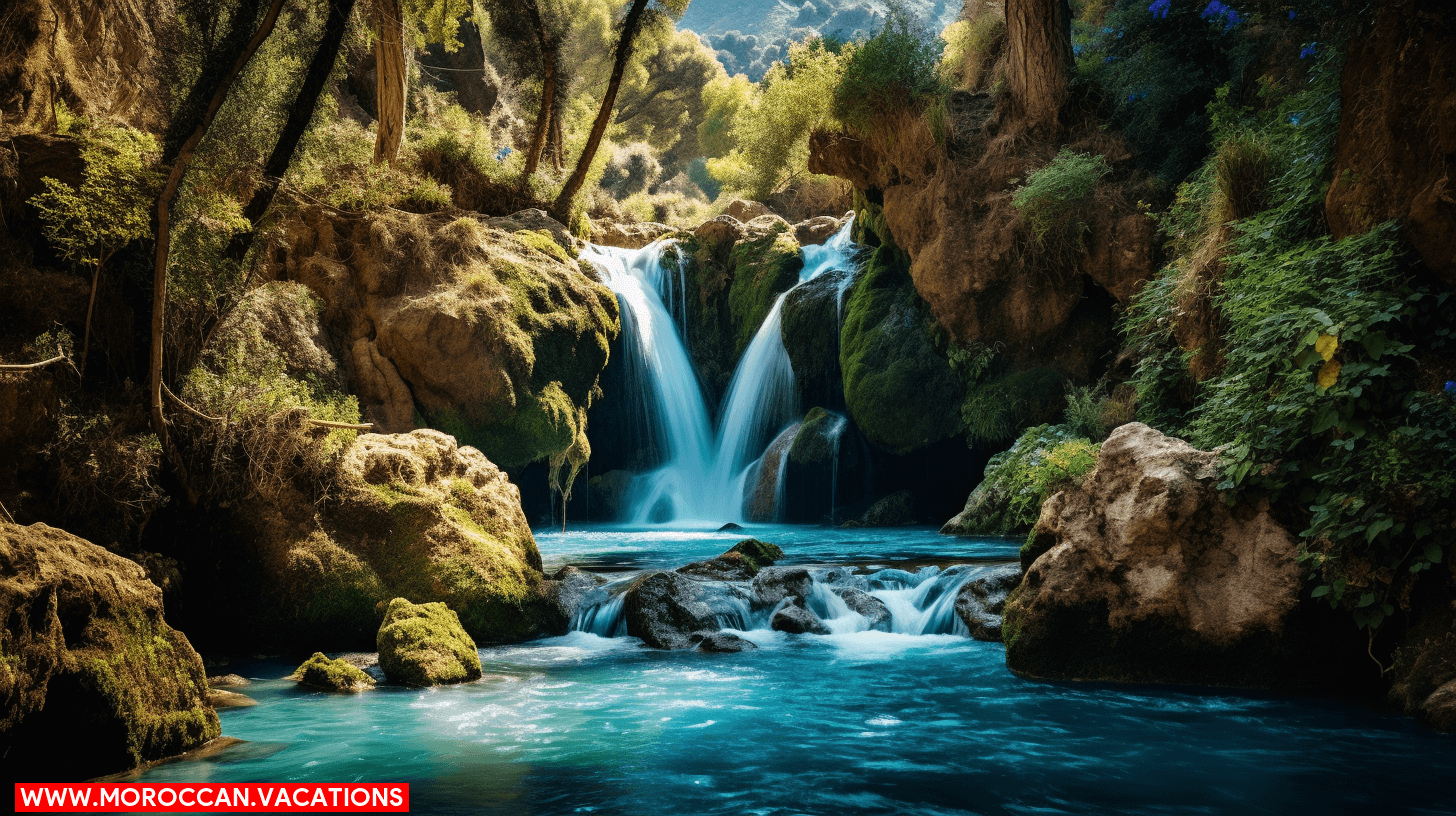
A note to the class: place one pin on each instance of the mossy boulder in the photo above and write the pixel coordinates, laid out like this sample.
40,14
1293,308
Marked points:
490,327
900,389
763,268
425,645
1004,502
740,563
406,515
92,679
331,675
811,337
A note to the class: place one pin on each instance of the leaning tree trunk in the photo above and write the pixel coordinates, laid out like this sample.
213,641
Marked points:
299,115
389,83
163,216
549,54
1039,51
630,26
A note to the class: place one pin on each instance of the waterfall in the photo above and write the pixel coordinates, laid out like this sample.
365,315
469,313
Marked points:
704,472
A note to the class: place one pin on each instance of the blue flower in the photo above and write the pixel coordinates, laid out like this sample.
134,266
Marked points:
501,155
1451,389
1216,9
1308,51
1291,14
1159,8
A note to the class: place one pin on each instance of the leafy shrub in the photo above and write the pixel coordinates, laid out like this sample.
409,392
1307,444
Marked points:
1084,412
336,166
995,411
632,169
1018,480
972,47
893,71
1051,200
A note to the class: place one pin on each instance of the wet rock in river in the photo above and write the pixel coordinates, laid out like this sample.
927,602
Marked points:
871,608
722,642
796,620
981,601
665,608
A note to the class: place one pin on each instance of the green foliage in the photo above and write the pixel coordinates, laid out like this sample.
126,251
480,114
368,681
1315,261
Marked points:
971,46
632,169
1084,412
1017,481
1052,198
436,21
893,71
335,166
996,410
1323,403
770,130
112,206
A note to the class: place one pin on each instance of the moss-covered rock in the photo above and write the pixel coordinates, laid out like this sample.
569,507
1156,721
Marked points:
424,645
406,515
92,679
811,338
761,553
331,675
900,388
492,328
763,268
817,439
740,563
1005,502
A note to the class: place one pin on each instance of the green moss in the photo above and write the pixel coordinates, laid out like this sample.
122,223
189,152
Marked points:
901,390
541,241
425,645
760,553
1016,482
147,681
814,443
1011,622
763,268
332,675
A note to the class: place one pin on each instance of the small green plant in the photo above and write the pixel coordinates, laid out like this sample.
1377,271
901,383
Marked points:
1052,198
87,226
1084,411
893,71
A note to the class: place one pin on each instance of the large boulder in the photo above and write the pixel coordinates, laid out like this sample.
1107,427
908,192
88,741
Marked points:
405,515
665,609
774,584
901,390
763,499
488,327
424,645
92,680
740,563
1146,573
894,510
869,607
796,620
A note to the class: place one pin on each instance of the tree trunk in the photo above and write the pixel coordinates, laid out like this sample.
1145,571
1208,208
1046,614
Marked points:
299,116
165,200
630,26
389,79
1040,63
549,52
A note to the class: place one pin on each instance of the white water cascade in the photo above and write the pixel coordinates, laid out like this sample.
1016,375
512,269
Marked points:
703,475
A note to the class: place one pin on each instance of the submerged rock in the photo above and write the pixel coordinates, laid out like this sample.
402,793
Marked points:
424,645
721,642
1148,574
224,680
871,608
219,698
331,675
665,608
730,527
92,679
981,601
796,620
568,587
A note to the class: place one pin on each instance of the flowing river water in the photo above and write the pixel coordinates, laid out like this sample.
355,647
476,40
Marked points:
856,722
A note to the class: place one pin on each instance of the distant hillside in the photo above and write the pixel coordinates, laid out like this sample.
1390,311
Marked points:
749,35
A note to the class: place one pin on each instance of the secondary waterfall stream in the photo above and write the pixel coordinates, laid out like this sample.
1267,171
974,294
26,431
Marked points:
702,478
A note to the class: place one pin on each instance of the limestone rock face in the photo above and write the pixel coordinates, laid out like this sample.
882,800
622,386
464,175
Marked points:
1394,153
424,645
408,515
487,327
94,681
1146,574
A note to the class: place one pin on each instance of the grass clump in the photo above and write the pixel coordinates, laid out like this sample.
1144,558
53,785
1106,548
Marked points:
331,675
424,645
973,48
1052,199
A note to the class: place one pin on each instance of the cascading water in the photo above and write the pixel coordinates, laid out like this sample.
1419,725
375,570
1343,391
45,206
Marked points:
702,478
